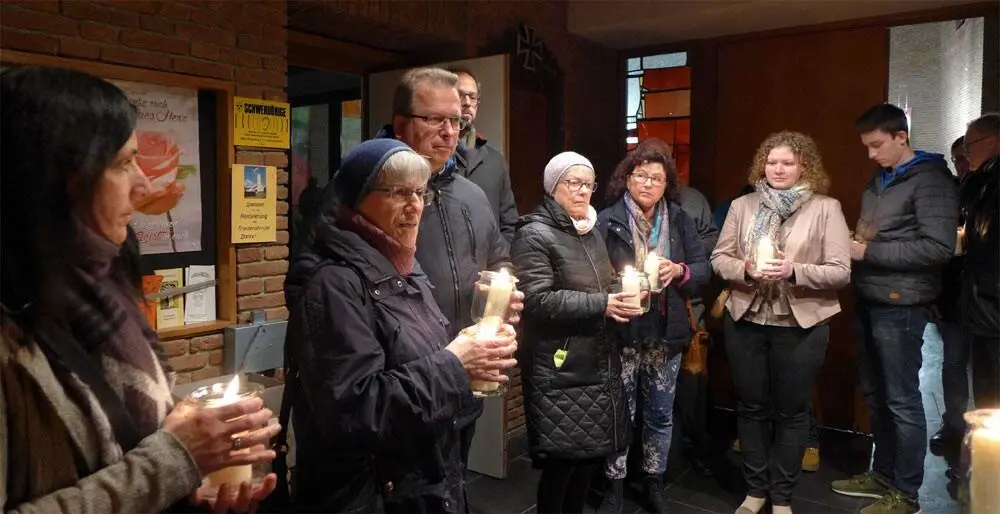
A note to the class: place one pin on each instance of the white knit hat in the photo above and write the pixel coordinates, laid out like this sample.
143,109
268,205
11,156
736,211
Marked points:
557,167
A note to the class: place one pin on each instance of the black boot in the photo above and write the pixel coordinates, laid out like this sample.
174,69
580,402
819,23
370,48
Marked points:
614,498
655,495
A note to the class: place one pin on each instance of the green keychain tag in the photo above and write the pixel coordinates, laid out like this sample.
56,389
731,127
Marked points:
559,358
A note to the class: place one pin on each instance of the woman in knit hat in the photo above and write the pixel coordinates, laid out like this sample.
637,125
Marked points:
379,382
570,368
646,224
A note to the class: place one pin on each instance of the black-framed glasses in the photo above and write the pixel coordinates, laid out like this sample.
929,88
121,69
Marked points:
471,95
403,194
436,122
641,178
575,185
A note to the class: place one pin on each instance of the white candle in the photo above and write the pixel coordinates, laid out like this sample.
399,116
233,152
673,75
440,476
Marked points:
960,241
652,269
630,284
984,486
765,251
233,475
497,302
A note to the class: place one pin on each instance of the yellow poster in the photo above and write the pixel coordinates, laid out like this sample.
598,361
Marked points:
255,203
261,123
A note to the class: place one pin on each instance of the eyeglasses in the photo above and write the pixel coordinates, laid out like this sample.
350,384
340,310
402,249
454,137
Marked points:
641,178
471,95
403,194
436,122
575,185
959,158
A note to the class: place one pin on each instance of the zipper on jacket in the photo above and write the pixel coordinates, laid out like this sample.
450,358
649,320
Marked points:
451,252
472,232
611,395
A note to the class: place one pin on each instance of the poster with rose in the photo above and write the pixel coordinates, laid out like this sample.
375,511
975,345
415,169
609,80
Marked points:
168,219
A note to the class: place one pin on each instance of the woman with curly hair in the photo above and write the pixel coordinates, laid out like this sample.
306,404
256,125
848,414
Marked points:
784,250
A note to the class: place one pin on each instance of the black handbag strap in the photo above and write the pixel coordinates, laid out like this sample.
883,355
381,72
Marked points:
72,355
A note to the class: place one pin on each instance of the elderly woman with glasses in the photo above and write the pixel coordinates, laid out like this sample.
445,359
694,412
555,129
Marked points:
647,225
569,365
380,385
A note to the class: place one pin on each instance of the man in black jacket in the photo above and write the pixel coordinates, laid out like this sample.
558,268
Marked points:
459,236
480,162
906,233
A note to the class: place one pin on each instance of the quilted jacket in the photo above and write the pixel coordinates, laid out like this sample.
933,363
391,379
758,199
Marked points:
576,411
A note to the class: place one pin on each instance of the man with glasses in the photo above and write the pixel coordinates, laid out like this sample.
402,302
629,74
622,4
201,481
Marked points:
478,161
459,236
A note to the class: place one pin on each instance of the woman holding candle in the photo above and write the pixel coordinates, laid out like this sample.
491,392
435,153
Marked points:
87,422
785,252
570,365
646,228
378,383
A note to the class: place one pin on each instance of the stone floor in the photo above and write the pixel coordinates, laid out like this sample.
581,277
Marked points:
843,454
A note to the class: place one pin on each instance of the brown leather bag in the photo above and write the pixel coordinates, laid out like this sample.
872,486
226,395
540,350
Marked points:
695,360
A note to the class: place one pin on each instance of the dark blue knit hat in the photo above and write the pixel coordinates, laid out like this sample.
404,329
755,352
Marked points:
359,169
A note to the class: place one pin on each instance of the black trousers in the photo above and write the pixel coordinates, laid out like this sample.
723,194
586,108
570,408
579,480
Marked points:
773,372
563,485
985,371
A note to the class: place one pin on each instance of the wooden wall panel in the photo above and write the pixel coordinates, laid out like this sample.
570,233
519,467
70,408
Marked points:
815,83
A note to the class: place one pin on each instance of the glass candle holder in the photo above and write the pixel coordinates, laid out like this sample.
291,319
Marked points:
635,282
651,266
981,460
490,306
960,241
219,395
488,388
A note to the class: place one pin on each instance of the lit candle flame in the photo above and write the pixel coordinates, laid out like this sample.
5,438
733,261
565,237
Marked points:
233,389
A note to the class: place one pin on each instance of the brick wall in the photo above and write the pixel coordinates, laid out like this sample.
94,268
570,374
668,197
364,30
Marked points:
242,42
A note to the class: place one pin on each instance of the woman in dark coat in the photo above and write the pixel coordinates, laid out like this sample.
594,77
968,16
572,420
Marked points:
647,219
575,409
380,385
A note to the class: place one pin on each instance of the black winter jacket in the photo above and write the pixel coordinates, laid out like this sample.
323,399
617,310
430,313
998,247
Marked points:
576,411
379,393
980,298
486,167
910,227
666,323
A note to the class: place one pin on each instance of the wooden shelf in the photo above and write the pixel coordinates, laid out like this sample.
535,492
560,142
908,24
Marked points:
193,330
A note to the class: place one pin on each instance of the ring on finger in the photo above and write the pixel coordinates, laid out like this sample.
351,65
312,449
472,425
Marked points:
237,443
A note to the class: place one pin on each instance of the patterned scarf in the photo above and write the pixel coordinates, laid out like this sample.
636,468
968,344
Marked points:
109,324
776,206
648,236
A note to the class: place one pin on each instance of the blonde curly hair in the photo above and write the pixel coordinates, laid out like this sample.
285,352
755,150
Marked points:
806,153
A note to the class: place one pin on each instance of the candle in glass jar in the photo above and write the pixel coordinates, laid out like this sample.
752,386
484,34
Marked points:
233,475
652,269
501,288
960,241
984,482
765,251
630,284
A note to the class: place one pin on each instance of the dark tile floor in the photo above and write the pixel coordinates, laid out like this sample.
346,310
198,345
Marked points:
690,492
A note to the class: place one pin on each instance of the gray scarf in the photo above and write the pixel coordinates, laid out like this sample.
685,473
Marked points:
776,206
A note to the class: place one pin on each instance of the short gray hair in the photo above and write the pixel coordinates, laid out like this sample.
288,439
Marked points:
987,124
403,167
402,100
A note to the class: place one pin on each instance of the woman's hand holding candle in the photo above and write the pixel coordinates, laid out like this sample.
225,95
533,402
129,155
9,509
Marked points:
622,307
245,499
777,269
515,307
669,270
484,356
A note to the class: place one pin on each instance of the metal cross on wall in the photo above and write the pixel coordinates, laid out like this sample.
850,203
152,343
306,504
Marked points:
529,48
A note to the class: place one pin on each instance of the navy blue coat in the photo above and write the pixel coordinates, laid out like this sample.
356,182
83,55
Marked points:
673,329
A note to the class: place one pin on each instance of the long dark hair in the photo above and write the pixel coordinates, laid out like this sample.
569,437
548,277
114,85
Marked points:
60,130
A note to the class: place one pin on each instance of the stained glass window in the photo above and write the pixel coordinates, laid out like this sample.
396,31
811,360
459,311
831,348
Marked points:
658,104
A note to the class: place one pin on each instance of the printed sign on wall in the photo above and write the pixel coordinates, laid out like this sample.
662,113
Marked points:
261,123
169,219
255,203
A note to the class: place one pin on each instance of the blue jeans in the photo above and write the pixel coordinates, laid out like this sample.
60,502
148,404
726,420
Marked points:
650,380
889,359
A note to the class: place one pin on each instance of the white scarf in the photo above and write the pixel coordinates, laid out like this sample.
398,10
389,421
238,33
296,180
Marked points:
585,225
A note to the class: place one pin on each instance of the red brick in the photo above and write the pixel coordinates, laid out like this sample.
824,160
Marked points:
51,6
275,95
282,193
240,57
272,62
273,253
205,343
206,373
156,24
276,313
182,378
245,25
261,77
264,46
281,237
140,6
213,18
209,35
28,19
150,41
249,157
96,12
281,222
262,269
30,41
177,11
273,12
274,284
244,317
98,32
136,58
282,177
248,255
276,34
248,91
175,348
203,68
205,51
215,358
282,208
276,159
249,286
189,362
76,47
246,303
